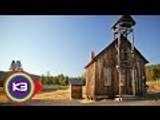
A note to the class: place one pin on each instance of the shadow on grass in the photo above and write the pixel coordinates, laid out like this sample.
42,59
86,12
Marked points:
152,96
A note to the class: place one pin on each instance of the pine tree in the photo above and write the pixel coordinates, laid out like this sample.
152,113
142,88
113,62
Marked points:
18,65
13,66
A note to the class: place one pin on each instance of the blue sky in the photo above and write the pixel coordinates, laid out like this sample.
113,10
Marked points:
62,44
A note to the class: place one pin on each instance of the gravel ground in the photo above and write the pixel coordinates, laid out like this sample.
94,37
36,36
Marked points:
87,103
100,103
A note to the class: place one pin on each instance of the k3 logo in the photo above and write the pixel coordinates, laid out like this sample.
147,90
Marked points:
20,86
23,87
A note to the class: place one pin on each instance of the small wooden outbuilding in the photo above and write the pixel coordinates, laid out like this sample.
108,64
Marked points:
75,88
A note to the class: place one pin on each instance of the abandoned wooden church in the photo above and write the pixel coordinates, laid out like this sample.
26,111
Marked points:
119,69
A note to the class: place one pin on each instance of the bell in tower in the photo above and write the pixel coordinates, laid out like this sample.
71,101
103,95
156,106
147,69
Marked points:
124,25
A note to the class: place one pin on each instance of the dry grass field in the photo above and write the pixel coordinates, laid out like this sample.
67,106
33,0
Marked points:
3,98
154,86
53,93
57,96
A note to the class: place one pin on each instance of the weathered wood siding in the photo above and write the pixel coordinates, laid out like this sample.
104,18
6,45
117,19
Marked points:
104,62
141,73
95,75
76,92
90,81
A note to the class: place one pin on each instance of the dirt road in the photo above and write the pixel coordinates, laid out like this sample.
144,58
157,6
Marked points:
86,103
92,103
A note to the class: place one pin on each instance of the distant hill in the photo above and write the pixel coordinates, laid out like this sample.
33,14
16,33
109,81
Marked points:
3,73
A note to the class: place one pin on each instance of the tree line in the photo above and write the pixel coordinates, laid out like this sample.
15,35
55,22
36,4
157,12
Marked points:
60,79
153,72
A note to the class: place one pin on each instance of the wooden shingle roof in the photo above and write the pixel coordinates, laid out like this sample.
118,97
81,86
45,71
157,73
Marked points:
76,82
124,18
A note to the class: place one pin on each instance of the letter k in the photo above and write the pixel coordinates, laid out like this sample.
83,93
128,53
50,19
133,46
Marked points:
15,87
